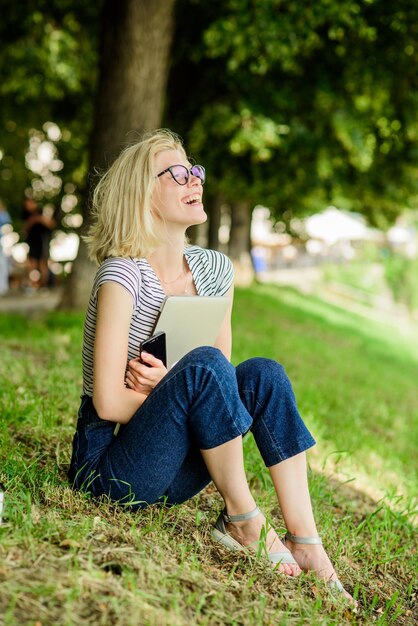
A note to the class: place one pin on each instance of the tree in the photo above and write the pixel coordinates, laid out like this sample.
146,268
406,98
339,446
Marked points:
288,105
44,82
297,107
135,43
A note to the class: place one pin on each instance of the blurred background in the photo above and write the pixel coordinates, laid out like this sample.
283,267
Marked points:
305,117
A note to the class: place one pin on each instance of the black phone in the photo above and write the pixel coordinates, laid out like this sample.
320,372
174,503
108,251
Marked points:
155,345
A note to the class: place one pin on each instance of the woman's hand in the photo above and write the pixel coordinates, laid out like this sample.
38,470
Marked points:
142,378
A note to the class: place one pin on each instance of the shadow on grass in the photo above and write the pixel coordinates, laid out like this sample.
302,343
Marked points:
162,561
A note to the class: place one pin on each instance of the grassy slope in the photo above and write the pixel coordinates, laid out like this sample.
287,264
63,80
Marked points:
65,559
355,380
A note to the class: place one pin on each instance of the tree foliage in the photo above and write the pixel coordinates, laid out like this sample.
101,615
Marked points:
297,106
293,105
48,65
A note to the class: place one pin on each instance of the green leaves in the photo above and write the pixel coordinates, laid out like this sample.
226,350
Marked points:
260,35
304,104
48,70
290,104
43,63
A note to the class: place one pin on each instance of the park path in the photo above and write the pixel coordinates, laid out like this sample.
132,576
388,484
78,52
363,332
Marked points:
305,280
29,303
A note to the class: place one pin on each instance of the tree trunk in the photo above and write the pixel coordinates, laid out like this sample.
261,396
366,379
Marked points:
240,243
135,43
214,212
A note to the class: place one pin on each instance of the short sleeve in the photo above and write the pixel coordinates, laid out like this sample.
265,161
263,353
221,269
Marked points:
122,271
222,270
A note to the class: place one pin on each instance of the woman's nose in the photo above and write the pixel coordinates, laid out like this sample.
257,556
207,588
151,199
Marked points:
194,180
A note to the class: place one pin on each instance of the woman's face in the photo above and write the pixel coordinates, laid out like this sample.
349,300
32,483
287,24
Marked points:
30,204
177,205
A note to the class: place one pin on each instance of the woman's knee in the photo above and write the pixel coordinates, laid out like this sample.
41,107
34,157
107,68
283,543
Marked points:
216,414
260,368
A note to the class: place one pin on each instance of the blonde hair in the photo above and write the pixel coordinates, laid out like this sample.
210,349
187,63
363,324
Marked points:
123,224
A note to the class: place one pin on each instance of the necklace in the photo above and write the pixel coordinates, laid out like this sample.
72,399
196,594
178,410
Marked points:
167,283
186,284
185,288
171,282
185,273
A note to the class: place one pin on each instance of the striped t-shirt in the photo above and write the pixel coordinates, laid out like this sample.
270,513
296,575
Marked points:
212,274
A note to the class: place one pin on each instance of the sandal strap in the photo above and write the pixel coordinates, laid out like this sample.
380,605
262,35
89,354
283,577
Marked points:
336,584
306,540
242,517
281,557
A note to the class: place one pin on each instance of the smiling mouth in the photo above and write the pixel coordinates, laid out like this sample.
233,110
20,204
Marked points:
194,199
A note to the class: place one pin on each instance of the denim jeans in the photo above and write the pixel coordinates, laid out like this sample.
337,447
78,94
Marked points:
201,403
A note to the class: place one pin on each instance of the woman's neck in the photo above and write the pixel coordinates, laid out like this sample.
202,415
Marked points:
168,261
172,270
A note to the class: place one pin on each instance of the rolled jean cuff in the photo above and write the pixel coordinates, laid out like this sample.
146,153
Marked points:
232,430
272,457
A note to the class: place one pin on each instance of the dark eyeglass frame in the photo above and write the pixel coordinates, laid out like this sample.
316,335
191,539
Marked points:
188,171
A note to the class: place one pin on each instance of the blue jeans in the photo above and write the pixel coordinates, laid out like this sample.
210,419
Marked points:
201,403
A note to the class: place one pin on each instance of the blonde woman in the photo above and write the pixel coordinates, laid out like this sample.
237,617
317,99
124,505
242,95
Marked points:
147,435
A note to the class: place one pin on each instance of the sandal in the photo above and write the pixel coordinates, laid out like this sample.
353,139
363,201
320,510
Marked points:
332,584
219,533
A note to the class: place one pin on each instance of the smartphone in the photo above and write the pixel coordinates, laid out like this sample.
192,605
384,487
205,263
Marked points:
155,345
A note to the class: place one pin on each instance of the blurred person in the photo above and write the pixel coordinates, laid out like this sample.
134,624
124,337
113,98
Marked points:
4,262
146,435
37,228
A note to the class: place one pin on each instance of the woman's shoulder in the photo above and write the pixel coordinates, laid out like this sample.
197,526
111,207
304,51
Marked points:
212,270
122,270
119,265
213,257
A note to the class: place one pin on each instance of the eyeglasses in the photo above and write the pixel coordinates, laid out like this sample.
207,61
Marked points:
181,174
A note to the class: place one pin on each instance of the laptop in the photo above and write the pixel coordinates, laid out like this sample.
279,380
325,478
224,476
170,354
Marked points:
190,322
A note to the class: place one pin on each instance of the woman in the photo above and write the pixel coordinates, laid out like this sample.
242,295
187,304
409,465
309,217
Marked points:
38,230
147,435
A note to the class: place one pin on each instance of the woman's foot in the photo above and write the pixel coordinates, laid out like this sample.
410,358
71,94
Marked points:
250,532
312,557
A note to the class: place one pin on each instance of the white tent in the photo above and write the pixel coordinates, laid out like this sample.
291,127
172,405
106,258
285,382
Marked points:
334,225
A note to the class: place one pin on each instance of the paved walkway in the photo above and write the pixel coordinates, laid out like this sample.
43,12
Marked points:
38,301
305,280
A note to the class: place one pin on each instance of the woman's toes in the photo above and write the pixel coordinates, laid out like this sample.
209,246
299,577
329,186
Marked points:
248,534
336,586
314,558
294,569
290,569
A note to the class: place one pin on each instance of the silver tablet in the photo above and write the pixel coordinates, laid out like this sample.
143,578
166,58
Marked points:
190,322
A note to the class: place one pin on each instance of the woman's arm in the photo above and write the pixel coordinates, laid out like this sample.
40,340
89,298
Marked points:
224,339
112,400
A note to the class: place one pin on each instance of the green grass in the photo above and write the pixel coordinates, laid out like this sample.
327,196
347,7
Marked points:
67,559
355,380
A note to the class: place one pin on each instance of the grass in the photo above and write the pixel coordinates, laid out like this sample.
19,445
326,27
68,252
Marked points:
355,381
68,559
